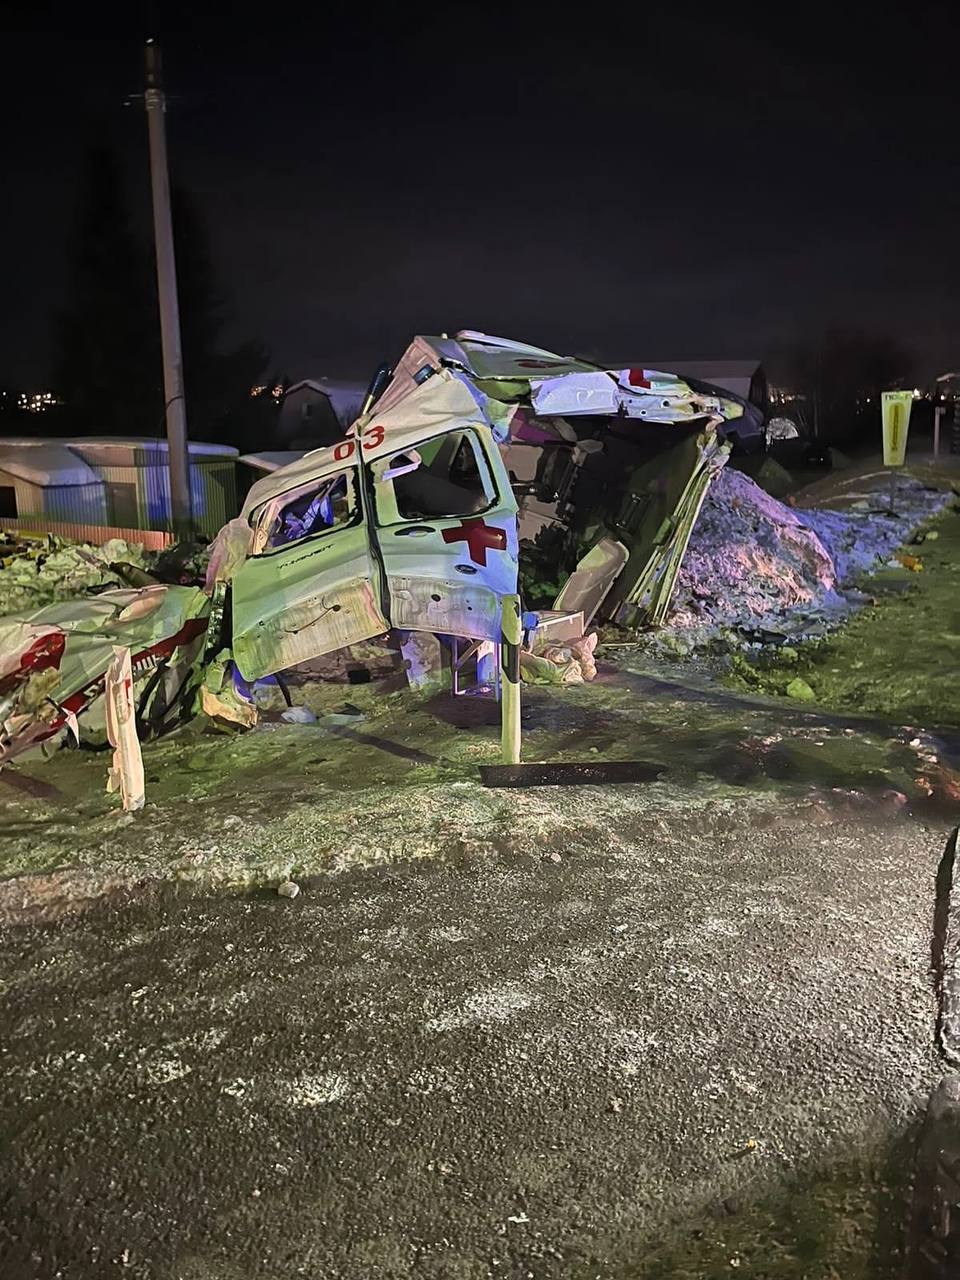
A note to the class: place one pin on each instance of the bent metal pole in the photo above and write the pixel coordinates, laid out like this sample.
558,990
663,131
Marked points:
175,410
510,680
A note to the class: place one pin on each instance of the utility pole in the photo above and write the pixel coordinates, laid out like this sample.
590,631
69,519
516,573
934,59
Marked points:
175,408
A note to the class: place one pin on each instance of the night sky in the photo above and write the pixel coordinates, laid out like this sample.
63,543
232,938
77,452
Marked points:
708,183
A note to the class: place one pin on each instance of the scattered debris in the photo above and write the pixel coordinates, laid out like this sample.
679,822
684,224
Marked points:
44,570
54,662
429,448
298,715
126,770
749,1148
560,664
288,889
800,690
614,480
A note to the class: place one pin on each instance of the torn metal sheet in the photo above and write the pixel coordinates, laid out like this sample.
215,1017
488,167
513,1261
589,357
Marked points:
219,697
633,393
55,660
617,454
228,552
504,370
126,770
589,584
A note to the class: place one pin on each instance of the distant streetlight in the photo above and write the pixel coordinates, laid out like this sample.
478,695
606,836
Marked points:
955,433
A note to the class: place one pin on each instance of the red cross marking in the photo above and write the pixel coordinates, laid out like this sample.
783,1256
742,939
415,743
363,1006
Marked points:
478,537
46,651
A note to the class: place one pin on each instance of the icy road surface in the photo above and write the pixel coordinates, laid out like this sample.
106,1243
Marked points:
495,1066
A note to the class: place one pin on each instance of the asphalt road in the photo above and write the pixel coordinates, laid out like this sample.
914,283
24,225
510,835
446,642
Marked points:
494,1067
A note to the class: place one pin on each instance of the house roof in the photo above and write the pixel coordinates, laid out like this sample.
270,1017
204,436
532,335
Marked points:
44,464
271,459
158,444
346,398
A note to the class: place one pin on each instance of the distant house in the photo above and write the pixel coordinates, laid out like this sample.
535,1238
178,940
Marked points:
745,379
98,487
316,412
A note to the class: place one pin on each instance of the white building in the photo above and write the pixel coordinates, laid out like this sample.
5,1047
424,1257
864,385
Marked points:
97,487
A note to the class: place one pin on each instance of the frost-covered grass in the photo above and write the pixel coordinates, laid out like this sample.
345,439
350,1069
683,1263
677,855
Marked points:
898,657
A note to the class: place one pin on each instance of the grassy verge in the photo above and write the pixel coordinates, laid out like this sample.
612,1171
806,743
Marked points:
897,658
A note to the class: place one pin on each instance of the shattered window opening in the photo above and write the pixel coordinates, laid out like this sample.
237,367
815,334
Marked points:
452,481
313,510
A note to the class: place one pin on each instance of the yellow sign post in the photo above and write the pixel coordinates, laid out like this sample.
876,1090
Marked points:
895,415
895,409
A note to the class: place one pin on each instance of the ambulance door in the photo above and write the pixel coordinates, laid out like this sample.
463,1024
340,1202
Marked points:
446,528
310,584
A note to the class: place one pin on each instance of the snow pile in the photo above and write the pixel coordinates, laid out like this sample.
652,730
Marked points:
54,570
857,539
749,557
755,565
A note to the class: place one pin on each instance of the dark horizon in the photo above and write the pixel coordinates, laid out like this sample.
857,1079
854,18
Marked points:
694,187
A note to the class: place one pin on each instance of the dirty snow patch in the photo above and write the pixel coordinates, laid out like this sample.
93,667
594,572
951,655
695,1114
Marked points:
496,1004
448,933
236,1088
165,1070
314,1091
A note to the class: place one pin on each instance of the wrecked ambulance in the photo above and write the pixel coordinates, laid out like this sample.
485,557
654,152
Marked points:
408,524
411,523
612,463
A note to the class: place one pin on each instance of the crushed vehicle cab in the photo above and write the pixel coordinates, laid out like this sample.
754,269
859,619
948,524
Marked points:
614,460
411,523
408,523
